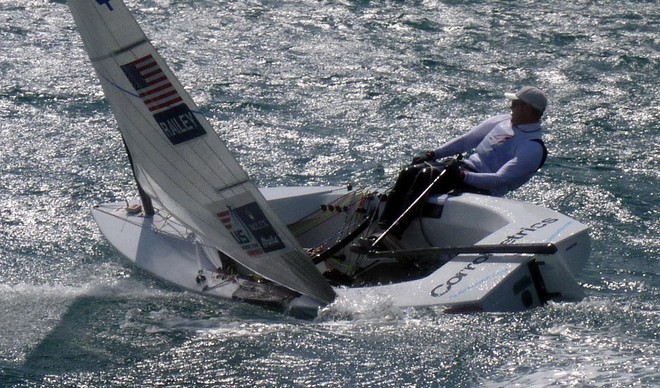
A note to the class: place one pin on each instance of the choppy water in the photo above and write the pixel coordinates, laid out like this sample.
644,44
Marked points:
331,92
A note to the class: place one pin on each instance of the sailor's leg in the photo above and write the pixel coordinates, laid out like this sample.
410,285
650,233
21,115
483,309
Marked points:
395,198
422,181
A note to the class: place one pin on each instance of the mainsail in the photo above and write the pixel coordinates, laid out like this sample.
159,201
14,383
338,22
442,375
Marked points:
179,160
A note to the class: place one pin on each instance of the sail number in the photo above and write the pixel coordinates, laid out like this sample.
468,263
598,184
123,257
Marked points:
240,237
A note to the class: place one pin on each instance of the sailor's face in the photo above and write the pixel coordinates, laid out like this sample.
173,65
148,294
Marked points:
519,112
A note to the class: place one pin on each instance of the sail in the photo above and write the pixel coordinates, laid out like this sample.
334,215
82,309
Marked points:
179,160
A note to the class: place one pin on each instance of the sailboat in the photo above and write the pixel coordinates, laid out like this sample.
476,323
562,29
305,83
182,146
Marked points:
202,224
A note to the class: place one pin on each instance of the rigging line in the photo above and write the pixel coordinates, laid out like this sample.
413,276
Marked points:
152,227
373,221
352,198
356,217
135,95
352,219
315,219
121,89
338,241
363,223
411,208
167,221
339,245
158,229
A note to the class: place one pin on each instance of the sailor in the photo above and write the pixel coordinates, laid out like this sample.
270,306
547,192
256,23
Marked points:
509,151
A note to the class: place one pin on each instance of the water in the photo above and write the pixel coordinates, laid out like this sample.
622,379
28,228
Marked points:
331,92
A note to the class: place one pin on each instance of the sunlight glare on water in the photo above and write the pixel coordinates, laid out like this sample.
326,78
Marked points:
330,92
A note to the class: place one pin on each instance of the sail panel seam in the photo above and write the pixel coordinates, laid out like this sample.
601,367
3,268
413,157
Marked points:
119,51
220,190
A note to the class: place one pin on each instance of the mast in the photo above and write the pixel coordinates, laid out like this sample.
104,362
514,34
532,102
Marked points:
147,205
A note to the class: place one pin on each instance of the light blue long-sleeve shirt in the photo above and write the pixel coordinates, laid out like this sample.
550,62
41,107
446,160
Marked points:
505,157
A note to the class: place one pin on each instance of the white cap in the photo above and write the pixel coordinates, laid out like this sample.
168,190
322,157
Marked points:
530,95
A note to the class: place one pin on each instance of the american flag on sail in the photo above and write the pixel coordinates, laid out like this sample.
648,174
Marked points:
175,119
155,90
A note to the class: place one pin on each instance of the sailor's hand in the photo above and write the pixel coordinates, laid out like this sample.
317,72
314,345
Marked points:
425,157
454,173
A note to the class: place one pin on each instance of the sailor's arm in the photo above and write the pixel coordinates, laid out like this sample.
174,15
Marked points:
471,139
520,168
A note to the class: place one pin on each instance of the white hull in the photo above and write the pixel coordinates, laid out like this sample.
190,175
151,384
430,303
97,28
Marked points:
465,282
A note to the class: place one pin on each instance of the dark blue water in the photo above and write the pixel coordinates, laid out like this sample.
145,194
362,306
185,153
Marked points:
331,92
